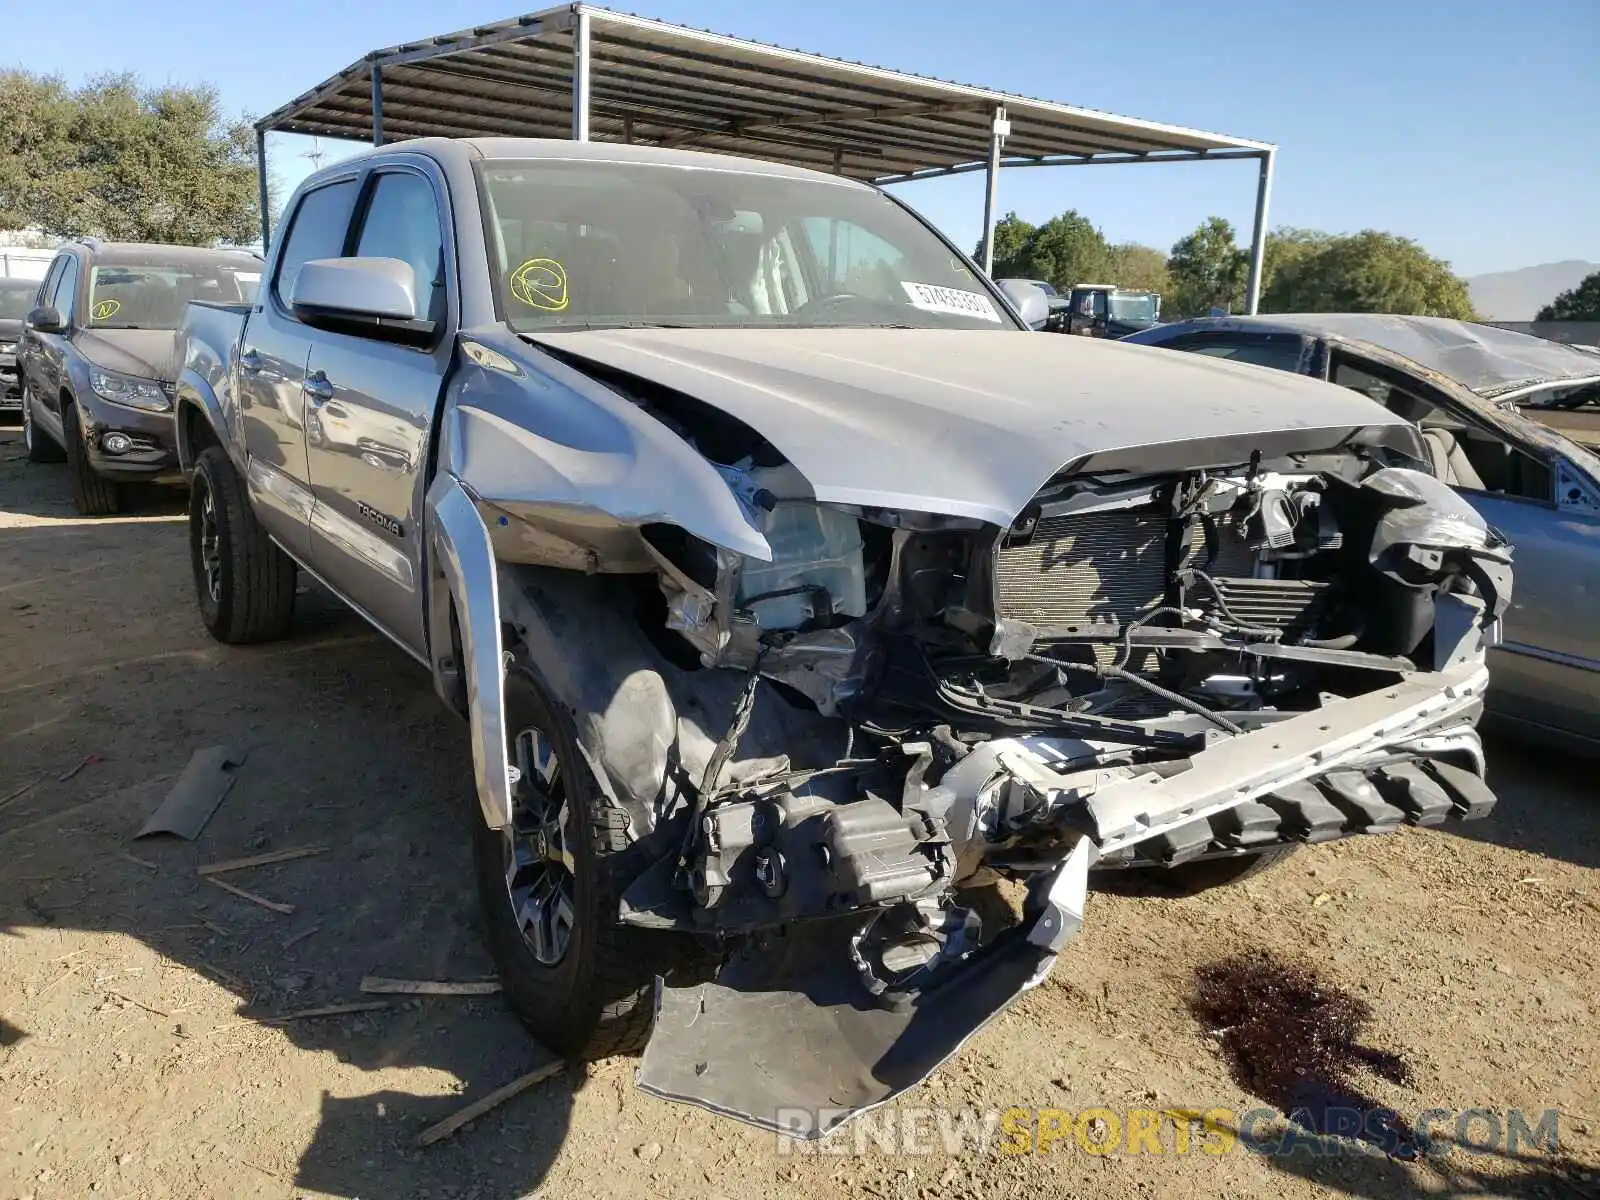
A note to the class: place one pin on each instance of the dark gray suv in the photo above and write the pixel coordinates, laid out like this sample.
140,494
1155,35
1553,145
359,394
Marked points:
16,297
98,359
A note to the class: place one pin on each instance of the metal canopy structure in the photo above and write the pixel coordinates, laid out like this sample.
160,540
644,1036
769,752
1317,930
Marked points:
589,73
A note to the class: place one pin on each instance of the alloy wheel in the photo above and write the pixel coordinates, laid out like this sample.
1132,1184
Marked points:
210,540
540,873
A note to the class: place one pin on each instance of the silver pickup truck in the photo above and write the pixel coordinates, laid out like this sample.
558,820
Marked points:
794,592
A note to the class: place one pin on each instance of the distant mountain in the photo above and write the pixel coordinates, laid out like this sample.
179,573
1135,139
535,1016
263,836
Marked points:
1518,295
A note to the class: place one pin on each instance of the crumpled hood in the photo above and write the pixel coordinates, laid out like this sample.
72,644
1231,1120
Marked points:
973,423
146,353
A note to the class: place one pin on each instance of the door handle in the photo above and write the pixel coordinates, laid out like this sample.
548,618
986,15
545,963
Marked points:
317,388
250,362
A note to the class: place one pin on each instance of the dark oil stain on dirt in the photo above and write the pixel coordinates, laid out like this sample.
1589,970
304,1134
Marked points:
1292,1039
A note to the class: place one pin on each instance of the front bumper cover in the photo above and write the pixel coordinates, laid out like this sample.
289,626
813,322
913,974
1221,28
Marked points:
789,1038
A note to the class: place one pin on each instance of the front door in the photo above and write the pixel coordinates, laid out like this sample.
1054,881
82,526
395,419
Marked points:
1547,670
47,352
271,368
369,407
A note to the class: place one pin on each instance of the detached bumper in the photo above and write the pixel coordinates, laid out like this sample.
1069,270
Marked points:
10,383
790,1036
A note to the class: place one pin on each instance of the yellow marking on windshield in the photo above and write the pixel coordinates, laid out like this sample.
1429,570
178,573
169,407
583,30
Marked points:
106,309
541,283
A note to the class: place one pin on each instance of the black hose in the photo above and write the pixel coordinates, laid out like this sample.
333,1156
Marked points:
1116,672
1198,709
1343,641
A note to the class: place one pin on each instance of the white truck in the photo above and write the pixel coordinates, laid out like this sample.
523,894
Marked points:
791,588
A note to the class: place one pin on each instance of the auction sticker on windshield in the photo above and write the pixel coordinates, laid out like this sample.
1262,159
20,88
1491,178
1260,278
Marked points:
931,298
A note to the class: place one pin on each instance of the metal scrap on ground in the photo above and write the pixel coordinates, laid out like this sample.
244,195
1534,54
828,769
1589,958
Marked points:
197,793
374,984
494,1099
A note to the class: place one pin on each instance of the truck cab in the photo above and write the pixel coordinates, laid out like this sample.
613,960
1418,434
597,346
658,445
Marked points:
1106,310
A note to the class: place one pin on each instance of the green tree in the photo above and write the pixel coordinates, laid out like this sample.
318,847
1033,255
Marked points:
1131,265
1286,246
1368,272
1011,234
1581,303
122,161
1208,270
1065,250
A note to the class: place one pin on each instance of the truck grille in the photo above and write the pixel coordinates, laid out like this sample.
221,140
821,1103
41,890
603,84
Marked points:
1088,575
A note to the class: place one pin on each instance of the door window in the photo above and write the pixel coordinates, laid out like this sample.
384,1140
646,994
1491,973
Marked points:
1462,454
1280,351
317,231
47,286
66,290
402,221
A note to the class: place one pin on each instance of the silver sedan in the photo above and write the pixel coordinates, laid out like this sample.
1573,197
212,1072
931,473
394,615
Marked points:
1489,403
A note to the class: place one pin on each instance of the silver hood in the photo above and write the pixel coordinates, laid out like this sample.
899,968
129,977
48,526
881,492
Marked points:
973,423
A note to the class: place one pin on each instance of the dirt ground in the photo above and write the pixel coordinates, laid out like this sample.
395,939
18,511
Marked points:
139,1055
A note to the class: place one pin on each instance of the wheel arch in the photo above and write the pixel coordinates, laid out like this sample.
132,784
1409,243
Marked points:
198,421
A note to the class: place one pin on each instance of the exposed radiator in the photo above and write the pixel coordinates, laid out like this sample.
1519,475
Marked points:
1085,574
1090,574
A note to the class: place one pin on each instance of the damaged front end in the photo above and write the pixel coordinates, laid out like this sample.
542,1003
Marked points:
828,752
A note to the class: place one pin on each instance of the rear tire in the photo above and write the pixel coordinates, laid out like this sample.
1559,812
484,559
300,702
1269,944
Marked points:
93,495
244,584
40,446
1192,877
585,989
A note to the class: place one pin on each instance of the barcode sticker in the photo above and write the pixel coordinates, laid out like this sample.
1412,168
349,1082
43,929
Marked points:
932,298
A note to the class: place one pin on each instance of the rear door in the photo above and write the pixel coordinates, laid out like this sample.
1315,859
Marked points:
369,408
271,367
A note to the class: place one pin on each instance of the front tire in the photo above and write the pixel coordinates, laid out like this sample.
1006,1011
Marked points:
549,887
93,495
244,583
41,448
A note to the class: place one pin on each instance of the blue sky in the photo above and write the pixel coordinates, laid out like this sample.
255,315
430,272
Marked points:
1468,125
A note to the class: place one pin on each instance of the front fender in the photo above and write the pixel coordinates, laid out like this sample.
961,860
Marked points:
463,583
548,446
197,401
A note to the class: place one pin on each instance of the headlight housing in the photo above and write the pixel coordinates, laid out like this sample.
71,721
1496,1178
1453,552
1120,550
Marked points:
129,391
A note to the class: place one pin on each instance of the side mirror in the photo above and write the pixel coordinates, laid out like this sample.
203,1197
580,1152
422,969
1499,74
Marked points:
375,297
1032,305
45,319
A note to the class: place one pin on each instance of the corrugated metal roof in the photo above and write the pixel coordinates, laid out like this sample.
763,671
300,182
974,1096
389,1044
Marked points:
661,84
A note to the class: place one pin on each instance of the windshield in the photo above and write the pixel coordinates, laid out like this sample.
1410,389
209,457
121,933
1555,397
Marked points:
16,298
1135,306
603,243
153,296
